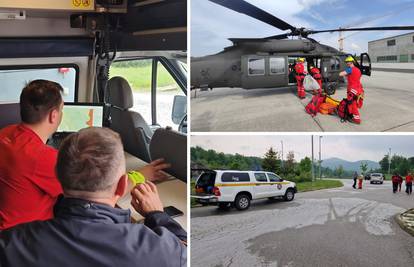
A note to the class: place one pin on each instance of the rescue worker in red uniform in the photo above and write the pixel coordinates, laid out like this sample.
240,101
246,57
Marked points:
300,76
316,74
355,91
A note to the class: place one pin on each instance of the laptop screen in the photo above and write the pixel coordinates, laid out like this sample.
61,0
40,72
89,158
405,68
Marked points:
77,116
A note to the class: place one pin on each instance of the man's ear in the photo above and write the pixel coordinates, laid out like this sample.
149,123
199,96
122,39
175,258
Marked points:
53,116
122,186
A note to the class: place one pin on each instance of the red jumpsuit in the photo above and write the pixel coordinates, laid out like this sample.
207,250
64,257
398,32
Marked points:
355,92
316,74
300,75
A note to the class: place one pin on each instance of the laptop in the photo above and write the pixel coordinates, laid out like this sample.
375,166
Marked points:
77,116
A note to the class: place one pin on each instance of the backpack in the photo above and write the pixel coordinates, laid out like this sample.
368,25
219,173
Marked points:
313,106
343,110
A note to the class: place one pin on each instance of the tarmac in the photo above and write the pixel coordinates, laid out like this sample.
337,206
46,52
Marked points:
388,107
331,227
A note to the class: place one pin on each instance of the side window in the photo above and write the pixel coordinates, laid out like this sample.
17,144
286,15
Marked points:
335,65
167,89
256,66
14,79
277,65
273,177
139,74
260,177
235,177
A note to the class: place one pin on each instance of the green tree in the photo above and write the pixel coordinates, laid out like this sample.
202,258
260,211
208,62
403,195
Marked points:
339,171
305,165
384,164
364,167
271,161
290,162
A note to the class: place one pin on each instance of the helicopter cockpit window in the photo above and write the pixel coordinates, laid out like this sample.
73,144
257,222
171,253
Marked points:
335,64
277,65
256,66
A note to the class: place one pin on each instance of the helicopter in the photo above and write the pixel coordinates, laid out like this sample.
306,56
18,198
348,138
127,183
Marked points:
268,62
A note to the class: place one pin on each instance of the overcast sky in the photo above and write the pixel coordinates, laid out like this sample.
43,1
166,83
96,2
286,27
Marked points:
348,147
212,24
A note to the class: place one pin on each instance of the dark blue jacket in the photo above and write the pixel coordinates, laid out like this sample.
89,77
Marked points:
90,234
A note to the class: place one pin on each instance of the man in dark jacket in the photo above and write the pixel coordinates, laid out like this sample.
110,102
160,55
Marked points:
87,229
355,177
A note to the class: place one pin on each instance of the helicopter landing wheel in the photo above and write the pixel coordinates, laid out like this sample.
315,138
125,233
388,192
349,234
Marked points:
330,88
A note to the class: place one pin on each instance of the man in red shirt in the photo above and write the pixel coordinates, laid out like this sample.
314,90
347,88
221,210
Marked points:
28,184
355,91
409,183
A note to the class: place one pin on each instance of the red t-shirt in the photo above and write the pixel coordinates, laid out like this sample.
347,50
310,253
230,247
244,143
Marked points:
408,179
28,184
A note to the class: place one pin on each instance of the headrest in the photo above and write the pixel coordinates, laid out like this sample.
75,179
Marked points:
120,93
172,147
9,114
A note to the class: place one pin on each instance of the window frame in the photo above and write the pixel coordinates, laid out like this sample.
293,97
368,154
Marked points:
265,176
154,74
279,179
391,42
232,180
256,58
270,67
48,66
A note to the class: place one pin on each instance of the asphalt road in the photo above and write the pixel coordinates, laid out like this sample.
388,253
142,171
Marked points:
332,227
388,106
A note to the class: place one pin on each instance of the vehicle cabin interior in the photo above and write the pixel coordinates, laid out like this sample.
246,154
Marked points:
129,57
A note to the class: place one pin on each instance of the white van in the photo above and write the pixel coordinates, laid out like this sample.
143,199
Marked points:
227,187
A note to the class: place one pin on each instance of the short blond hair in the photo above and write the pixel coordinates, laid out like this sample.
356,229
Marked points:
90,160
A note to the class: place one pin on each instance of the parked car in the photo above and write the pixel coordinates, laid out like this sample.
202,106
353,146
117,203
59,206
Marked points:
229,187
377,178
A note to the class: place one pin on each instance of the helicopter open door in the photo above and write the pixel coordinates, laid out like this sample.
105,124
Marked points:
264,71
365,64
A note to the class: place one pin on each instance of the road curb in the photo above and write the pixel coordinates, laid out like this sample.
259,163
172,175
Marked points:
406,221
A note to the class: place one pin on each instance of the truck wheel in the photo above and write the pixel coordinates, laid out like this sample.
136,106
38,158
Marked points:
242,202
224,206
289,195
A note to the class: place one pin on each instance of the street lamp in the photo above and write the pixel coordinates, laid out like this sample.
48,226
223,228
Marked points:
313,171
389,161
281,141
320,160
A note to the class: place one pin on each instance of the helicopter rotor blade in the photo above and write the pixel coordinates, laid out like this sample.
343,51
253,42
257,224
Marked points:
390,28
248,9
279,36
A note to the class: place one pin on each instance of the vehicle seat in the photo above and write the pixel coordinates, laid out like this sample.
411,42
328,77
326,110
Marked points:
131,126
9,114
172,147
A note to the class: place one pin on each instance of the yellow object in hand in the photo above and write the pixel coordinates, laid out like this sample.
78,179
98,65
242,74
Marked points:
136,177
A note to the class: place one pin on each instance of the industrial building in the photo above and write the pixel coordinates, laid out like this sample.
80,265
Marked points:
398,48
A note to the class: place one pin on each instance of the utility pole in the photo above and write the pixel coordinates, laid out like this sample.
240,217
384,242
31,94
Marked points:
341,42
282,152
389,161
320,160
313,171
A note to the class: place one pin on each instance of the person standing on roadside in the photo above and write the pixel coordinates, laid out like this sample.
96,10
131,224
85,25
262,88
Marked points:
355,177
400,181
394,180
409,183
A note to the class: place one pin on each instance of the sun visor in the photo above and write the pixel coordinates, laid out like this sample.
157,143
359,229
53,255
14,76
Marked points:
45,47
